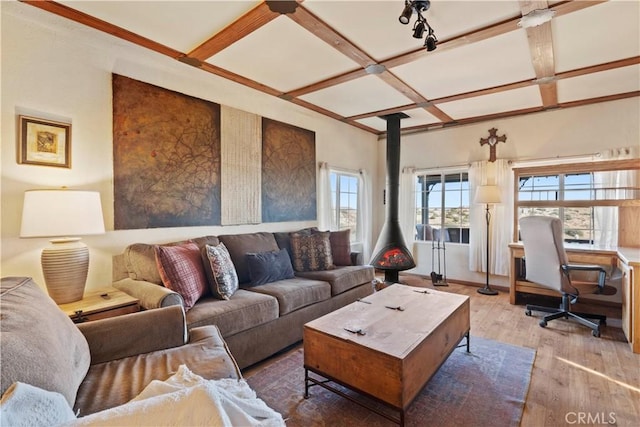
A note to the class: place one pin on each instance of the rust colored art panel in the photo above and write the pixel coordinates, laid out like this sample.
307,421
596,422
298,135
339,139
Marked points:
166,157
288,172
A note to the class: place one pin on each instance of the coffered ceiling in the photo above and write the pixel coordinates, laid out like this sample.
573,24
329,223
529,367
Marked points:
317,53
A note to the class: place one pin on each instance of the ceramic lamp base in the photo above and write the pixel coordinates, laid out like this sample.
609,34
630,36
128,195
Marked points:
65,265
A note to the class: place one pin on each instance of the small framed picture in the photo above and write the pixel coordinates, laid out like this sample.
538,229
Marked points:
44,142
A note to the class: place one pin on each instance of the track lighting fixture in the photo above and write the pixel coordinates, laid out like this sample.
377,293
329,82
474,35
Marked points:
421,25
431,41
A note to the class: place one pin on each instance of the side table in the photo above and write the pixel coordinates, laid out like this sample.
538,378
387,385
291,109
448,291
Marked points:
100,304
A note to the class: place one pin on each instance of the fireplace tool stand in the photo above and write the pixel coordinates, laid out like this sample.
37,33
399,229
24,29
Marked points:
439,278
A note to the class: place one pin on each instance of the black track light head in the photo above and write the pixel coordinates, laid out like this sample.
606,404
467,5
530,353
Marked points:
418,29
431,41
405,17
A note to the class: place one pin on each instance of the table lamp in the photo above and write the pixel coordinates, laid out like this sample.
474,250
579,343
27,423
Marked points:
487,195
62,214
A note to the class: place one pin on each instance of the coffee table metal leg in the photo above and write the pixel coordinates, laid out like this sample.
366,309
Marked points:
306,383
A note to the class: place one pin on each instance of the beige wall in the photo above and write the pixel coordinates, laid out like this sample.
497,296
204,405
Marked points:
57,69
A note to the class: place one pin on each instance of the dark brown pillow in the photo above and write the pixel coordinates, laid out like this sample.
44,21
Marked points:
311,252
341,246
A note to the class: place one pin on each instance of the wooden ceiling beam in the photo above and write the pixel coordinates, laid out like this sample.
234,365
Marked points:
241,27
541,47
488,32
100,25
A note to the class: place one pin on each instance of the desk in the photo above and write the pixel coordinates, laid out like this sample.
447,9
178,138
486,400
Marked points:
627,259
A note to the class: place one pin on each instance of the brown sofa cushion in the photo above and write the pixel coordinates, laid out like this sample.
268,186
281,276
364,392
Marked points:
241,312
239,245
113,383
342,278
140,258
40,344
293,294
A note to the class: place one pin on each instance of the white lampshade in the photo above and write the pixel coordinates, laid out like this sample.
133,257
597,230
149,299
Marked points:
488,194
56,213
51,213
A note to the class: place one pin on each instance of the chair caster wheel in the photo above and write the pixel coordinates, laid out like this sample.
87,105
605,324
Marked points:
595,333
543,323
527,313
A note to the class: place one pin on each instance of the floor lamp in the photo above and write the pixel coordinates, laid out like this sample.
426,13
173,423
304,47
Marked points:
487,194
63,214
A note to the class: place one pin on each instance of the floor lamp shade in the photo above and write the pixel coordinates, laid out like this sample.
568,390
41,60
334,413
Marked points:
63,214
487,195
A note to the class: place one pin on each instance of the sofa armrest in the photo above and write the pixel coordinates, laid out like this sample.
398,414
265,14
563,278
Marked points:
357,258
149,294
135,333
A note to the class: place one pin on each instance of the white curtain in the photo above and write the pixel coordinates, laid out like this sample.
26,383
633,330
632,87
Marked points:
407,205
364,215
326,217
501,226
606,217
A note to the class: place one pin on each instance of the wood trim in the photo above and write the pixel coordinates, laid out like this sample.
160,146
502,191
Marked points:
598,68
577,203
245,25
98,24
320,29
604,165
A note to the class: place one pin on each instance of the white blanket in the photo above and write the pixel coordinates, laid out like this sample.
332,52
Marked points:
187,399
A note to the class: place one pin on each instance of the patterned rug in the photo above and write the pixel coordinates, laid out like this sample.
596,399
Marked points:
486,387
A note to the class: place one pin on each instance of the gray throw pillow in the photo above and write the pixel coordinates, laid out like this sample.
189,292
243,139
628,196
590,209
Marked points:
220,270
267,267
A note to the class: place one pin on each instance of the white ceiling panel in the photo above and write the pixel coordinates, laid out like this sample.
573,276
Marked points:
358,96
619,80
595,35
284,56
181,25
374,27
489,63
375,123
480,47
519,99
417,117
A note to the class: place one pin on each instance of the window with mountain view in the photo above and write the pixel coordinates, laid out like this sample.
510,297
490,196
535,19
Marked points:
344,193
442,207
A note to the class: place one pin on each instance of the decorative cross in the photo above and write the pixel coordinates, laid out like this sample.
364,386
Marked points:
493,141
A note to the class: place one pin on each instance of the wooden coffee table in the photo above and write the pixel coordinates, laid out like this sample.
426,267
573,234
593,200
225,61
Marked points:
385,346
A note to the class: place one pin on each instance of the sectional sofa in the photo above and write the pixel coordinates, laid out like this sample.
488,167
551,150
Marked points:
265,314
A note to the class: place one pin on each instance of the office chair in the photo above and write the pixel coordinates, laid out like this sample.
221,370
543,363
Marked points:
548,266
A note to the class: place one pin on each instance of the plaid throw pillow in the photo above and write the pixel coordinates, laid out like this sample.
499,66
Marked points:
222,274
311,252
181,270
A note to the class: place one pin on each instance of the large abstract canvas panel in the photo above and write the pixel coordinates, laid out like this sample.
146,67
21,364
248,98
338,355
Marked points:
166,149
288,172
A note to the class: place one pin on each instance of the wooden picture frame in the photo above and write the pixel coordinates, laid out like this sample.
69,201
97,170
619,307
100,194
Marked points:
44,142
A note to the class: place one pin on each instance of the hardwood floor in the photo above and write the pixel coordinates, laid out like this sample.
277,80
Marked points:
577,379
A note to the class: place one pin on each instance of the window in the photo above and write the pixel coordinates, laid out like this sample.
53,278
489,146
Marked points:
442,207
583,195
578,222
344,193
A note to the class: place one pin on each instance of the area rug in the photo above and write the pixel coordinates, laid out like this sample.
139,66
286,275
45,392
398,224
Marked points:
485,387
